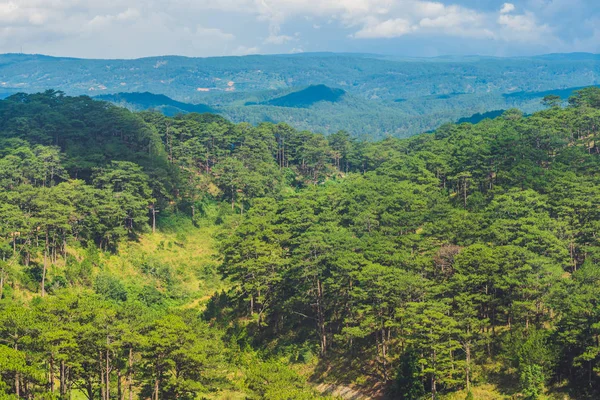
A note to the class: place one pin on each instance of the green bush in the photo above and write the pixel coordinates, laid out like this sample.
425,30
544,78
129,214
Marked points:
110,287
532,382
151,296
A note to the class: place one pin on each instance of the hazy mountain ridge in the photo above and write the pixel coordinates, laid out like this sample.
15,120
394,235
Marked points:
181,77
433,90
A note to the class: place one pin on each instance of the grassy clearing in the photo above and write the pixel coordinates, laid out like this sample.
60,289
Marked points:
180,258
491,392
482,392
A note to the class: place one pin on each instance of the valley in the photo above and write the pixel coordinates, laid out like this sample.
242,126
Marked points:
384,96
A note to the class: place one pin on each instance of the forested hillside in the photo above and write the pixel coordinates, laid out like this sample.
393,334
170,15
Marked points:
384,96
157,102
145,256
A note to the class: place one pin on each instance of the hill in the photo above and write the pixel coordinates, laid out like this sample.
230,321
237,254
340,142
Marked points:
562,93
307,97
147,101
477,118
436,90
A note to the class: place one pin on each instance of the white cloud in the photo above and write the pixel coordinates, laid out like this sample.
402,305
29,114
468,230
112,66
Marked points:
37,18
131,14
426,17
429,8
507,8
212,33
518,23
385,29
524,28
436,18
222,27
275,37
245,51
452,17
278,39
93,28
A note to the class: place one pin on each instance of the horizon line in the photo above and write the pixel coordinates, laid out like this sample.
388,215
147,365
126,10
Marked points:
315,53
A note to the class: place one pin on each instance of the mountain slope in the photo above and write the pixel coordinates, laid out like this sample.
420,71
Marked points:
307,97
145,101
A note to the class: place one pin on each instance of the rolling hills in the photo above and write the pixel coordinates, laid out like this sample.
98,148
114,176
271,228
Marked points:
383,95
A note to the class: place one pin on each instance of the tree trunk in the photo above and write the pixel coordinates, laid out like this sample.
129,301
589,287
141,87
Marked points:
17,382
119,391
468,366
130,374
154,218
283,153
45,266
102,381
169,146
321,317
434,378
51,374
68,384
465,192
63,388
156,387
90,390
107,369
54,249
384,355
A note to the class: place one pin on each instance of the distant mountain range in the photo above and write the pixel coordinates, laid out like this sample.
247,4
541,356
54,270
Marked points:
368,95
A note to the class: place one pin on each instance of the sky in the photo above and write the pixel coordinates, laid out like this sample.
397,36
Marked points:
202,28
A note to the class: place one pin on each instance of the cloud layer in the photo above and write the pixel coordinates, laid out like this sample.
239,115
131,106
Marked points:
135,28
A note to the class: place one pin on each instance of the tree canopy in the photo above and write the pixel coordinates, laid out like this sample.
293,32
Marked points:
412,267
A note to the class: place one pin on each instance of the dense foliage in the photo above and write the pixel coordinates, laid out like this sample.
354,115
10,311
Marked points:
471,248
80,179
415,267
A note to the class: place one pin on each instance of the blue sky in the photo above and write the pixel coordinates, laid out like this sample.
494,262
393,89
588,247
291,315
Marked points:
138,28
